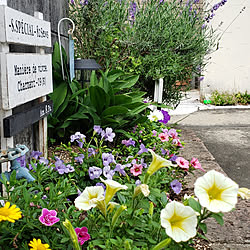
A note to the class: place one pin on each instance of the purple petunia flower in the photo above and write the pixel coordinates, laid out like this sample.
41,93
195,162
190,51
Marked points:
44,161
98,129
143,163
108,173
35,154
138,182
107,159
129,142
94,172
85,2
132,12
70,168
173,157
176,186
120,168
79,158
44,197
72,2
91,151
108,134
166,117
143,149
154,132
22,161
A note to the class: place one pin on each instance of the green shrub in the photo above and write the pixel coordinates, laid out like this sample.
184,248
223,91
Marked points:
225,98
155,39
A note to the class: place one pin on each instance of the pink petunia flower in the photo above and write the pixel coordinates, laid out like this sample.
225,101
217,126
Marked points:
48,217
163,137
136,169
82,234
182,163
196,164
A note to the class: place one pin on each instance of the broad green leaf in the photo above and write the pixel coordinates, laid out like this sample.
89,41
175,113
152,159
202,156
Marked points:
114,74
98,98
122,99
114,110
218,217
203,227
58,96
194,204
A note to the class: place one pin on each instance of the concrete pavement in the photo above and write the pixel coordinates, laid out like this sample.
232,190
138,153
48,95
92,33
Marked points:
220,139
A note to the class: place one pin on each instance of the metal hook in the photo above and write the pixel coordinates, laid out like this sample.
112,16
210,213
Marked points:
70,32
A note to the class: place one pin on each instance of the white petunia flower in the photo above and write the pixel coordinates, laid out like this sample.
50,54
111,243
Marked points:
155,115
216,192
89,198
179,221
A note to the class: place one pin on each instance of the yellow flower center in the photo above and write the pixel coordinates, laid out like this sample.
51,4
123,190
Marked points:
214,193
176,221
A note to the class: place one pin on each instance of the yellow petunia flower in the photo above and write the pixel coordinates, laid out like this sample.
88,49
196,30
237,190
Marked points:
179,221
244,193
216,192
36,244
111,188
10,213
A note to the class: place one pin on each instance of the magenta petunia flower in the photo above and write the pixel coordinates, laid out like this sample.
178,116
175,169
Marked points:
163,137
82,234
48,217
136,169
196,164
182,163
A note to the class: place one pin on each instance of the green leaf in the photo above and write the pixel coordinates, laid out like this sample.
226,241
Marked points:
13,178
63,240
203,227
122,99
114,110
58,96
98,98
114,74
194,204
26,196
218,217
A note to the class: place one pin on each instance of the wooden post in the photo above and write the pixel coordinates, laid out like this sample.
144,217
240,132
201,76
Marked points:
4,142
158,90
42,126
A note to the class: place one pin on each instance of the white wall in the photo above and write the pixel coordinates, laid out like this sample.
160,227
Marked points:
229,67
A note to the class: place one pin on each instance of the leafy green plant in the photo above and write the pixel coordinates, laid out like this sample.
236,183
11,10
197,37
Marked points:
155,39
225,98
107,101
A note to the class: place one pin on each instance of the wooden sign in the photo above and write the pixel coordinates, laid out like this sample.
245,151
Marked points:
29,76
20,28
15,123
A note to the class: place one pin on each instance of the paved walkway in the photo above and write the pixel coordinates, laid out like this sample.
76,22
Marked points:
220,139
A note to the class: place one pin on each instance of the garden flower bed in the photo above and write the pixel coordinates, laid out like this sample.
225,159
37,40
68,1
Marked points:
114,192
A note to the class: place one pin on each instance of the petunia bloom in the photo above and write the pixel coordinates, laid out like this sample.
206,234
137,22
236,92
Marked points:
216,192
244,193
143,188
89,198
182,163
82,234
10,214
48,217
136,169
196,164
111,188
129,142
155,115
94,172
166,117
176,186
157,163
37,244
179,221
163,137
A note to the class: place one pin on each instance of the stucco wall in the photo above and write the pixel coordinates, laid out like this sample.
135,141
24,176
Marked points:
229,67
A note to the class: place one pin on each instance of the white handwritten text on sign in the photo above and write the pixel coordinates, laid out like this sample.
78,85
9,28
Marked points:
20,28
29,76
